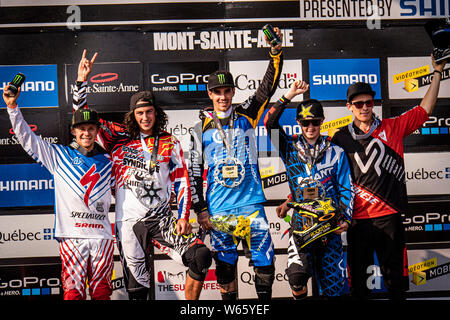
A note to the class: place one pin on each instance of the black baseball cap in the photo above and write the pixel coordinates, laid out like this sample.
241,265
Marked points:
309,109
85,115
359,88
146,96
221,78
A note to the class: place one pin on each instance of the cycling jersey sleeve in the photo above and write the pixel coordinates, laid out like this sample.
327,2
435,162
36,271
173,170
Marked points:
253,107
277,135
344,185
109,132
39,149
410,120
180,180
196,168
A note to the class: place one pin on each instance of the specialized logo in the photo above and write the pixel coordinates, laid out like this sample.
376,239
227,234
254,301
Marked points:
90,179
376,157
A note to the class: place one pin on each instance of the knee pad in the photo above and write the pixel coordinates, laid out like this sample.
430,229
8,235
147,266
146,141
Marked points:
225,272
200,260
298,281
264,277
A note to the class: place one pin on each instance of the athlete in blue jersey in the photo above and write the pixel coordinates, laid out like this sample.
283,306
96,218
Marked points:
307,157
225,141
82,179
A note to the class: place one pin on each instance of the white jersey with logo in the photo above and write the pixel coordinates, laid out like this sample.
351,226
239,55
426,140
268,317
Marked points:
82,183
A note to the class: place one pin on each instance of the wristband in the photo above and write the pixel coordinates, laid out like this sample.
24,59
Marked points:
440,72
284,100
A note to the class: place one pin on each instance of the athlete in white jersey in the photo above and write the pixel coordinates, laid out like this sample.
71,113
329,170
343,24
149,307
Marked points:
82,180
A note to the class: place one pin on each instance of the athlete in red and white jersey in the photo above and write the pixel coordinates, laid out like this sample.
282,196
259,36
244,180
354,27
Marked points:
375,150
82,180
148,163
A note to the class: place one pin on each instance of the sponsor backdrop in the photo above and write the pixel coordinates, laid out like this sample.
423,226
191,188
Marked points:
171,48
110,86
40,89
43,122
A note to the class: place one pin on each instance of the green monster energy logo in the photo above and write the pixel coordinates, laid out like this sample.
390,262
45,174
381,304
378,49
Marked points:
17,79
268,34
86,115
221,78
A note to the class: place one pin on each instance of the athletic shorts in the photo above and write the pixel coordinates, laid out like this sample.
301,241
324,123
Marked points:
86,260
135,239
259,246
384,236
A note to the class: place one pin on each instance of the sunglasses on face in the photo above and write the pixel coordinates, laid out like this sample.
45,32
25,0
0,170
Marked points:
314,122
360,104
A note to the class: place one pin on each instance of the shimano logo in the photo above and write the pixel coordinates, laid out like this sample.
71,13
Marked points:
331,79
24,185
36,86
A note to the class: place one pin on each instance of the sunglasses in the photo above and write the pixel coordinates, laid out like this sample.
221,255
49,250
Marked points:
314,122
360,104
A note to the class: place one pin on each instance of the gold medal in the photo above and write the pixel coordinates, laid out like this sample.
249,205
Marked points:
310,193
229,172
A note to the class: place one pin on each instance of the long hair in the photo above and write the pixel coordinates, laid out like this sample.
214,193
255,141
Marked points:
133,129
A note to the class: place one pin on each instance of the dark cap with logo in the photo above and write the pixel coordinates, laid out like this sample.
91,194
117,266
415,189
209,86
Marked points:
221,78
143,96
85,115
359,88
309,109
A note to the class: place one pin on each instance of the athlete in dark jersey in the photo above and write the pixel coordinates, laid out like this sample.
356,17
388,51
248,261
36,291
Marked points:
375,150
312,156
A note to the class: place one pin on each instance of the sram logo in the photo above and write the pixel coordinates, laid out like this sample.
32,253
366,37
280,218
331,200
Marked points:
375,158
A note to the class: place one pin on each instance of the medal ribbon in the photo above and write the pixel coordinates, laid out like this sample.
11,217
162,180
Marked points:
153,159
